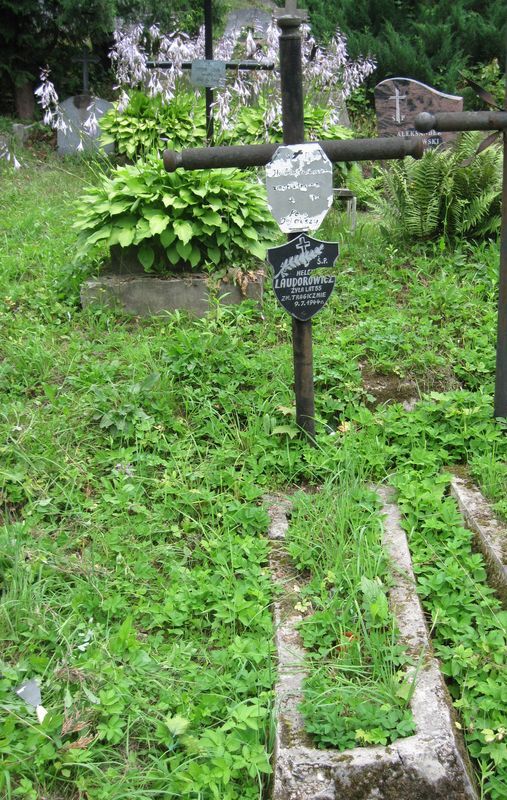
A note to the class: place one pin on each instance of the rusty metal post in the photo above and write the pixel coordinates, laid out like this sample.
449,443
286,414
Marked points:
208,54
291,80
501,339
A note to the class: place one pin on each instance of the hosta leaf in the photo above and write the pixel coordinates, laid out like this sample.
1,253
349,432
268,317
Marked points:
102,233
146,256
158,223
211,218
184,250
257,249
184,230
125,236
167,237
213,253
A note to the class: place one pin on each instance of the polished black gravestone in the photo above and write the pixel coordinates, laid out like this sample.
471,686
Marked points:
298,291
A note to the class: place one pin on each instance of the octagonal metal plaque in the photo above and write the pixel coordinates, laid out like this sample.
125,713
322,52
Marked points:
299,183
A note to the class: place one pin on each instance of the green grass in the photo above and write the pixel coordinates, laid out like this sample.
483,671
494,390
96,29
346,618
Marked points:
356,692
133,458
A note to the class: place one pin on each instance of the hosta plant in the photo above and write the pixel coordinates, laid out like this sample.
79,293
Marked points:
180,221
148,124
442,195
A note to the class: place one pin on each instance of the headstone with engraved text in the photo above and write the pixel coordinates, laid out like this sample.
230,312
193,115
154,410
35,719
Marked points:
76,112
399,100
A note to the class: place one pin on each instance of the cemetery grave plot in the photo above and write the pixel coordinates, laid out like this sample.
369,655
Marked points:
115,486
135,557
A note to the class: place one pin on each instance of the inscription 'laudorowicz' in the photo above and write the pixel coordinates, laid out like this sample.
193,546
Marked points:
300,292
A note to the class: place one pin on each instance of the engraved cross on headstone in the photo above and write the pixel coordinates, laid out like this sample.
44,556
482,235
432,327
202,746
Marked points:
397,97
303,246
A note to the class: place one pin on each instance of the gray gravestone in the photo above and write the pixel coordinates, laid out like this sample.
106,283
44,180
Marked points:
76,111
399,100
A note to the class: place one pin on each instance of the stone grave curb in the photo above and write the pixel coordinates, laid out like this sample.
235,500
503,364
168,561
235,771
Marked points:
430,765
147,295
489,532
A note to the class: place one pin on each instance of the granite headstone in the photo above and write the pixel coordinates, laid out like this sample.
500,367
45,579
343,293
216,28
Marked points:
76,111
399,100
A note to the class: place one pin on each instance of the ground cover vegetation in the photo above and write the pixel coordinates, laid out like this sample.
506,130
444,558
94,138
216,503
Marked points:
133,557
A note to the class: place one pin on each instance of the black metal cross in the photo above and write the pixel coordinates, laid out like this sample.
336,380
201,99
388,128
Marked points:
208,54
86,58
289,20
485,121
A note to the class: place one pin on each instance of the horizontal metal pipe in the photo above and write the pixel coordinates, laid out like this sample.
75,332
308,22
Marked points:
228,65
461,121
258,155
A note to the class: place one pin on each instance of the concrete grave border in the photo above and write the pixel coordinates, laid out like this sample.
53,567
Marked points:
489,532
430,765
147,295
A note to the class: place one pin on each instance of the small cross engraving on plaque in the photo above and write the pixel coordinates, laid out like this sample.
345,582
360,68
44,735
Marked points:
303,245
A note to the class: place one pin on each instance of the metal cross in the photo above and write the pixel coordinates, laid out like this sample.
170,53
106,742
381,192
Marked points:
397,97
485,121
291,82
86,58
208,54
291,11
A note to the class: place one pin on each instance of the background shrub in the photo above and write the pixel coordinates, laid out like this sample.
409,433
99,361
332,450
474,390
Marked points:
431,42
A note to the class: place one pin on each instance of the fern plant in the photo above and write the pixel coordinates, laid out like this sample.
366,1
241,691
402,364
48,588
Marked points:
440,196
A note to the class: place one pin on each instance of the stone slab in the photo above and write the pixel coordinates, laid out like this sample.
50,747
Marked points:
399,100
76,110
430,765
490,533
151,295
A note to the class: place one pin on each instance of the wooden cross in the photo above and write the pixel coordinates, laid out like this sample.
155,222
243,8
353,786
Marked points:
485,121
291,82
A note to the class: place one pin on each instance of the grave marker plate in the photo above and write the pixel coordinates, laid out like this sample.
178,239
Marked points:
399,100
76,110
297,290
299,183
208,73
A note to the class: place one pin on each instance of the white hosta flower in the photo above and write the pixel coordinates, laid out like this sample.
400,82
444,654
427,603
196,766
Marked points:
250,45
91,125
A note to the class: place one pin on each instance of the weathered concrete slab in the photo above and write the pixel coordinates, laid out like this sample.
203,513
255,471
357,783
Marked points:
490,532
151,295
430,765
